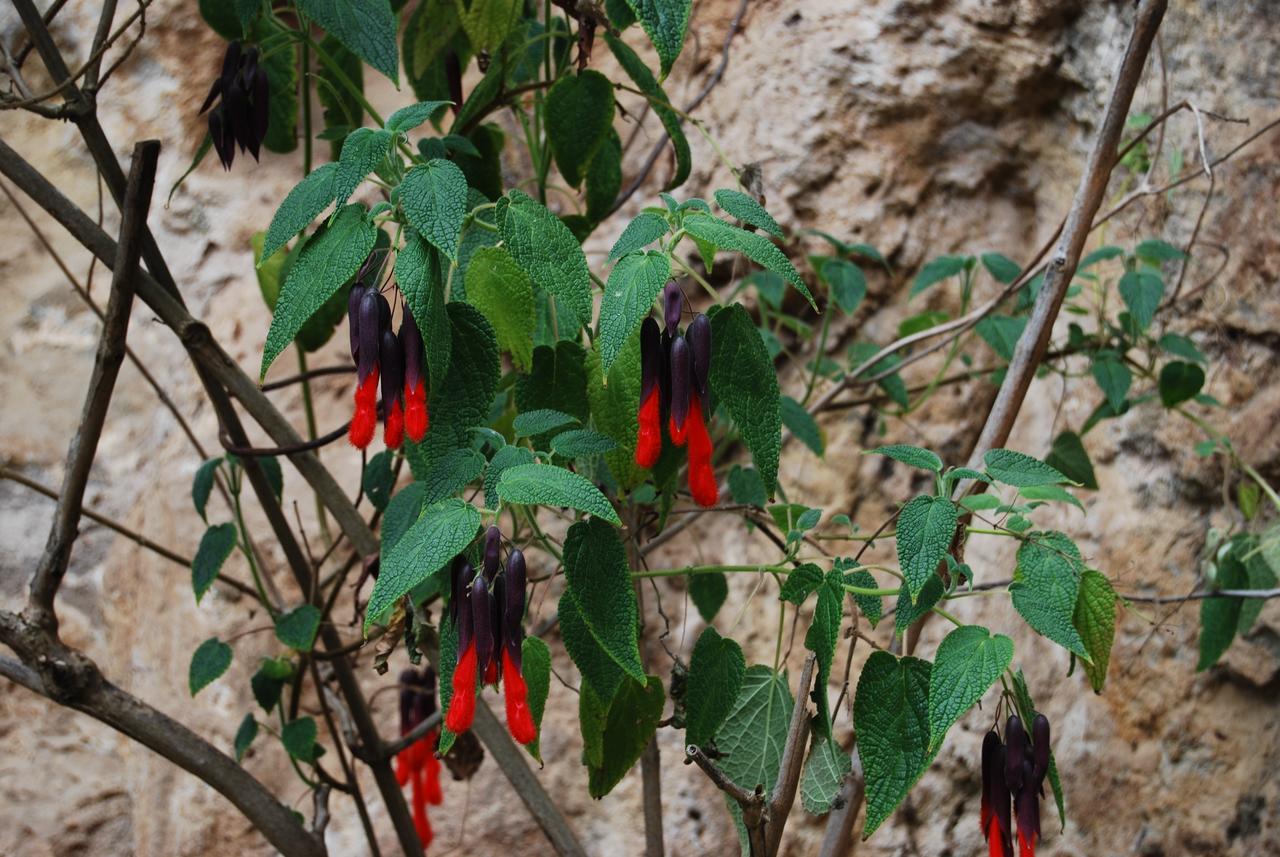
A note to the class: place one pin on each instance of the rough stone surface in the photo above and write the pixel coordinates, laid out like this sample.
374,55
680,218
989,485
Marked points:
920,126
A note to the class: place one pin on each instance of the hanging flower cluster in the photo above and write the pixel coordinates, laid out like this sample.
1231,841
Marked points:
417,764
1014,770
241,118
396,360
487,610
673,390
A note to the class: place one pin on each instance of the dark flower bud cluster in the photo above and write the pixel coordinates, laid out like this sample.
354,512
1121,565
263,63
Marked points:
487,610
241,117
417,764
382,354
673,391
1014,770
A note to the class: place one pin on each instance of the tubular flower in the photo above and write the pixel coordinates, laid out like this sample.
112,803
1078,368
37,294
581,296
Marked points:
1014,770
416,419
488,611
417,764
674,371
364,310
241,117
391,356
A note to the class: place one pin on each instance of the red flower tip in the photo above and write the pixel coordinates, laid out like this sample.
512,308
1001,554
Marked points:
491,673
365,419
702,477
416,420
462,707
649,437
519,717
393,432
431,768
1026,844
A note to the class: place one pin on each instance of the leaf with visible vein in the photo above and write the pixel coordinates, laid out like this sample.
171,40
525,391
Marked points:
755,247
633,285
308,198
716,670
925,528
969,661
546,249
891,718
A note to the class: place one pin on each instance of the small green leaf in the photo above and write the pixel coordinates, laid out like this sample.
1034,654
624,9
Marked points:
646,228
548,485
799,422
665,22
1102,254
500,289
716,670
202,485
755,247
299,739
407,118
1019,470
378,480
598,580
824,773
362,151
1220,617
543,420
1069,457
969,661
579,113
209,661
925,528
1141,292
1156,251
444,529
266,687
302,205
1045,585
1001,332
937,270
1001,267
535,666
821,638
1114,378
891,718
215,546
801,582
366,27
244,736
912,455
907,612
872,606
742,377
1095,620
582,443
1051,494
747,209
1180,346
633,285
297,628
848,283
1179,382
546,249
434,198
708,592
747,487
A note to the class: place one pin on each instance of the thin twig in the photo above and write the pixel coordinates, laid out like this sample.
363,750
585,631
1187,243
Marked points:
792,759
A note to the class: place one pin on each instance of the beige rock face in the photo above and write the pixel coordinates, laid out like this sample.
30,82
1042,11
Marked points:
920,127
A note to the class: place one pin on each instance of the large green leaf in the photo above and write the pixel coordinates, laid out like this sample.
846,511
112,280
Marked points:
546,249
754,733
617,730
579,114
1095,621
302,205
598,581
548,485
665,22
215,546
434,198
613,410
644,80
634,284
1019,469
501,290
598,668
366,27
1045,585
604,178
209,661
362,151
322,268
439,535
420,275
489,22
557,381
756,247
508,456
925,528
891,718
742,377
969,661
716,670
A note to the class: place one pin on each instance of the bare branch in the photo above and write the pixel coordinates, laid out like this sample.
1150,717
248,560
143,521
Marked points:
784,790
838,839
754,805
651,787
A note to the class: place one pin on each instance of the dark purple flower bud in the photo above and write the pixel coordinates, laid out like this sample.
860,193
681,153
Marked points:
231,61
453,76
224,142
497,603
995,792
650,356
260,95
673,303
408,702
214,91
459,607
384,313
665,374
353,318
238,112
492,552
411,345
482,618
1015,739
1040,749
681,375
370,332
391,359
1028,806
426,694
699,336
513,618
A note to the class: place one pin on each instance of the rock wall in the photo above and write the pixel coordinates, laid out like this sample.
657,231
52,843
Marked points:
920,127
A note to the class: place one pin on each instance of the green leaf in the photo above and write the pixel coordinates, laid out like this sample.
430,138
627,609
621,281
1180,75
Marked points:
666,22
613,410
1220,617
1051,494
1141,292
1114,378
708,592
281,67
378,480
1179,382
1001,267
821,638
548,485
343,111
624,728
754,733
1102,254
546,249
535,666
801,583
1095,621
202,485
1019,470
244,736
299,739
500,289
215,546
297,628
935,271
912,455
434,198
558,381
541,421
1157,251
599,670
716,670
755,247
362,151
366,27
421,279
598,580
639,233
969,661
824,773
1069,457
209,661
323,267
266,687
644,80
1001,332
401,513
1045,585
634,284
1180,346
743,378
892,384
444,529
799,422
579,114
848,283
891,718
907,612
747,487
302,205
604,178
407,118
872,606
748,210
582,443
508,456
925,528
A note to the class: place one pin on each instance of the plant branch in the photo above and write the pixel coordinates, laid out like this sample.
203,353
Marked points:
784,790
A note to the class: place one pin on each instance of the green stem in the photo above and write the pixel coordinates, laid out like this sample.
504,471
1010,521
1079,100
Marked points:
710,290
341,77
759,568
945,615
863,590
248,554
308,407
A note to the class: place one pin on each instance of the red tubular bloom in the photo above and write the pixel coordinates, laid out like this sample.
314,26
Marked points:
995,840
491,673
365,419
702,477
393,431
416,420
649,437
679,436
1027,848
519,717
462,707
420,822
